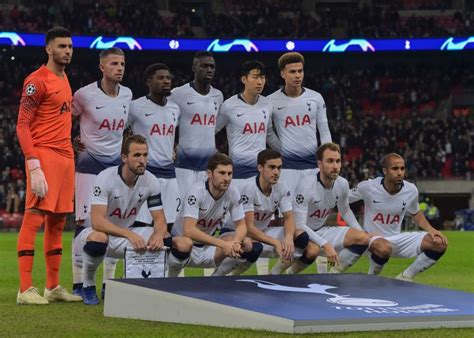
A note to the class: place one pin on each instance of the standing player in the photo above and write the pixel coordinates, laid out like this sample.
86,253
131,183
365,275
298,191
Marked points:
44,133
261,196
246,117
386,201
317,195
119,193
205,206
298,114
102,108
199,103
156,117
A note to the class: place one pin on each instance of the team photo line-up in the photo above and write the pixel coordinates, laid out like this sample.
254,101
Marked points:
145,174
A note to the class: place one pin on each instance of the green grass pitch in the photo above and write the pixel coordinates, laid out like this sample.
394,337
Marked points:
455,270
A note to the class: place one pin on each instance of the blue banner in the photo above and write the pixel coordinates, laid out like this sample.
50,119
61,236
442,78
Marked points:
249,45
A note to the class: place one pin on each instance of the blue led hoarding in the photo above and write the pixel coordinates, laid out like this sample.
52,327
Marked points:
247,45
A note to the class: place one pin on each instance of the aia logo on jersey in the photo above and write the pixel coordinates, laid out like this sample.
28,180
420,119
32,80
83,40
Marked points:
262,216
389,219
203,223
65,107
254,128
321,213
123,214
203,120
113,125
296,121
162,130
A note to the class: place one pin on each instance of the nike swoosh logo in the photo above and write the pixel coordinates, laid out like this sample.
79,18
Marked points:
317,201
115,197
374,201
148,114
280,108
257,205
239,115
201,209
190,102
99,107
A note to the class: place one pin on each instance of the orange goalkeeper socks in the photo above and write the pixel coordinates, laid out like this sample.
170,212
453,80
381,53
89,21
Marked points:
53,232
26,247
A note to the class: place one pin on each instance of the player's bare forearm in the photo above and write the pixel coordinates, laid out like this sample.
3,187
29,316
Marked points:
240,230
258,235
159,222
191,231
423,223
289,224
101,224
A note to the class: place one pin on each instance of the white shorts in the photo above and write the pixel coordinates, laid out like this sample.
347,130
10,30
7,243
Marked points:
171,202
406,244
334,235
202,257
115,247
187,177
279,234
291,177
82,196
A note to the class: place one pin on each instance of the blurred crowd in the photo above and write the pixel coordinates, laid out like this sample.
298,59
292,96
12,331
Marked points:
233,18
372,111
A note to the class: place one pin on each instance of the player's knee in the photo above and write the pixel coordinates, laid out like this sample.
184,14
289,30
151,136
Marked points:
307,259
301,241
183,244
381,247
312,251
252,255
247,244
98,236
95,249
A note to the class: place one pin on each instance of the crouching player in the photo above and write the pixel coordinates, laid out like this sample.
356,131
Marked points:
317,195
204,207
386,201
261,196
118,194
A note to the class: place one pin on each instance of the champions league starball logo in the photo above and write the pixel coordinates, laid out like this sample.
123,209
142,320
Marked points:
321,289
217,46
131,43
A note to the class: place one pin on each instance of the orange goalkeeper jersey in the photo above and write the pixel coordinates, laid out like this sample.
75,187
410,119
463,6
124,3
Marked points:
44,119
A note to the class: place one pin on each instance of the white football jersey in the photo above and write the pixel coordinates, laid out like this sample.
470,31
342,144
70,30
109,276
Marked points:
313,203
200,205
158,124
383,212
123,202
246,127
102,120
196,126
253,199
296,121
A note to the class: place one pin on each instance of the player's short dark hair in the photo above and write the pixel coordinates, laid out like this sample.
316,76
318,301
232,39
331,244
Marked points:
248,66
57,32
111,51
139,139
322,148
202,53
266,155
386,159
153,68
218,159
291,57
